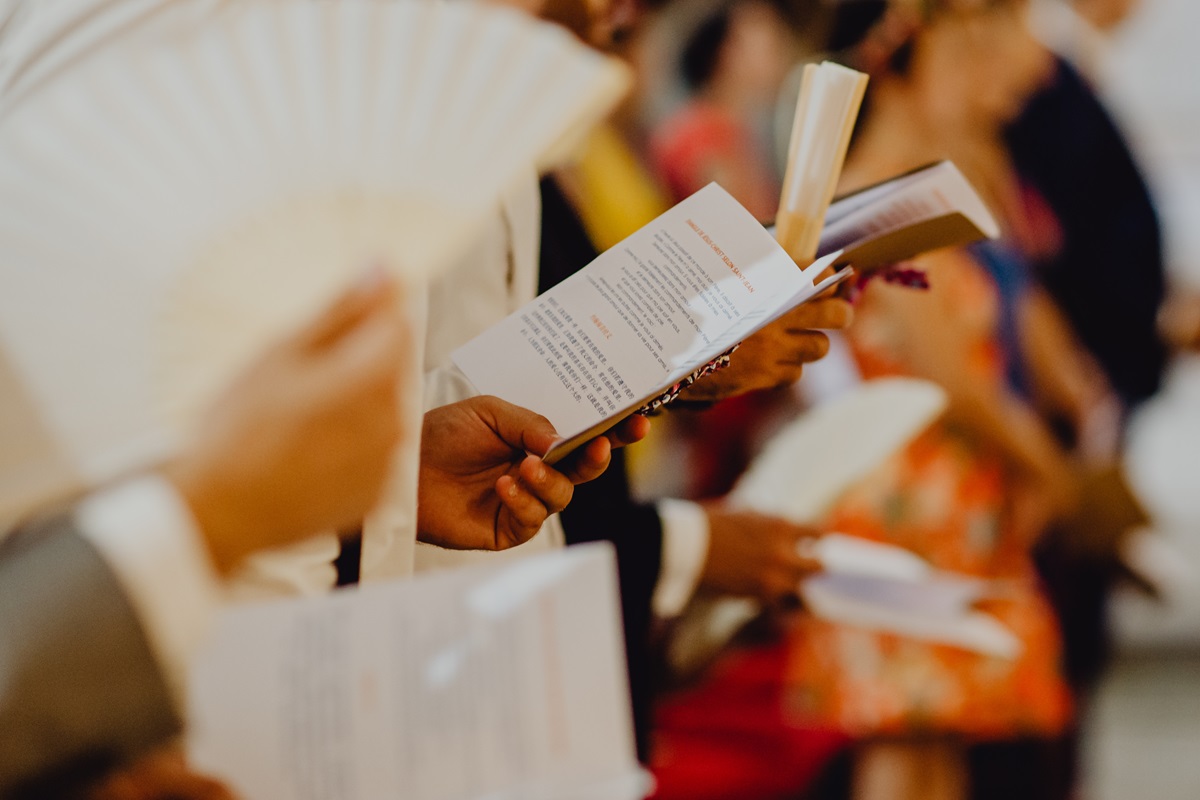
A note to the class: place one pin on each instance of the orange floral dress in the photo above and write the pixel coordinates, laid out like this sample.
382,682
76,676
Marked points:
944,498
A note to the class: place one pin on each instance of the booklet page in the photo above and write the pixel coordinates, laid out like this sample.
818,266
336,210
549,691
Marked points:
491,682
936,206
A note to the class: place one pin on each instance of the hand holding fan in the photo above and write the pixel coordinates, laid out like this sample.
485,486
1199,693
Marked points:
803,471
172,211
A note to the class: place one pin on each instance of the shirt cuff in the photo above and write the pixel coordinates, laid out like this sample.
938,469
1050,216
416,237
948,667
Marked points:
685,546
147,534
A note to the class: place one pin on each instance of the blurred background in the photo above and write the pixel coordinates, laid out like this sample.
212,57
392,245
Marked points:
1143,732
712,103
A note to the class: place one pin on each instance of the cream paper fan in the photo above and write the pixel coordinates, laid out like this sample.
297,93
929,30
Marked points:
170,211
805,468
813,461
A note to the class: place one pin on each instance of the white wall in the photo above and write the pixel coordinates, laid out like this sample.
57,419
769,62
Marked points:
1152,81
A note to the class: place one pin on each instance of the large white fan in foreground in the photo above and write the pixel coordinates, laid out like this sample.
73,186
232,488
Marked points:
169,212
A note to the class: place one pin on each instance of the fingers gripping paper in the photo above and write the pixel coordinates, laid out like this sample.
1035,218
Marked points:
172,210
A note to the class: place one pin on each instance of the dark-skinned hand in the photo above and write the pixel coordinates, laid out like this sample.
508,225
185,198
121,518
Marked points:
752,555
776,355
483,484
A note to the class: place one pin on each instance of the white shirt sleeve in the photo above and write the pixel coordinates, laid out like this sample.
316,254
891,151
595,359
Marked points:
685,546
146,533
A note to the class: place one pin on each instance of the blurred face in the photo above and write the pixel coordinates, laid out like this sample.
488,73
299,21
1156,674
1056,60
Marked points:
594,21
981,66
1106,14
757,54
528,6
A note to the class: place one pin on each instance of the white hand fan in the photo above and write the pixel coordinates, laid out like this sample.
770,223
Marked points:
171,211
809,464
43,39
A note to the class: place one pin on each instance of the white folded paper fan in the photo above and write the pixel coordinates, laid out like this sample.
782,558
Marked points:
813,461
169,212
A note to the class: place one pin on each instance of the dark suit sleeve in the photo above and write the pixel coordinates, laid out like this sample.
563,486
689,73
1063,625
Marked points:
604,510
80,688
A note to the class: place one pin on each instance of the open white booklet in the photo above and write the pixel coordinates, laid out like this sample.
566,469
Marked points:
643,316
499,682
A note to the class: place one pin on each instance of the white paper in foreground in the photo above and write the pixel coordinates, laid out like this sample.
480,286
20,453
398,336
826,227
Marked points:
642,316
496,682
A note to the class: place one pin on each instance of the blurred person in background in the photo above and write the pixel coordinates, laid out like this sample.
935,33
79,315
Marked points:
974,493
734,63
1096,245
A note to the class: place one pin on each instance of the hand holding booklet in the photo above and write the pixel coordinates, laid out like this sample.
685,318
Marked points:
691,285
809,465
642,317
684,290
803,471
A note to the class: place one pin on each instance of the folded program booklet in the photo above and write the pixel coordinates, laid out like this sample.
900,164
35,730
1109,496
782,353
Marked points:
642,317
926,209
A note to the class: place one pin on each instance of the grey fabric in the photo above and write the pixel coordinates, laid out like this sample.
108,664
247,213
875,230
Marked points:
80,689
